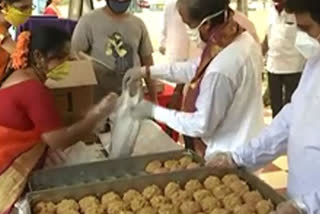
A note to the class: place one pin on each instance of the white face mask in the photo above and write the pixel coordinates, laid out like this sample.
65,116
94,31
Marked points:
306,45
194,33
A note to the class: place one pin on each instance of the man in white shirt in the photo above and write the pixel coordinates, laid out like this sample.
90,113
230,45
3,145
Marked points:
228,104
284,62
295,131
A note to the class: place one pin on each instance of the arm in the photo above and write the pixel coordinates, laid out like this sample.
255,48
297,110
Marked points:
180,72
82,37
271,144
46,119
145,53
151,85
216,95
163,36
265,46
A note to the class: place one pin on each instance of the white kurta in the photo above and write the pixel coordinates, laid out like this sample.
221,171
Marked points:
174,35
229,106
295,132
283,57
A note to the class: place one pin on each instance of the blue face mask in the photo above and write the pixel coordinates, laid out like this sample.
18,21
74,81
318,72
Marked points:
118,6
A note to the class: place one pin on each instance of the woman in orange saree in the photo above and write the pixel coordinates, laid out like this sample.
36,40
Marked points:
13,13
29,121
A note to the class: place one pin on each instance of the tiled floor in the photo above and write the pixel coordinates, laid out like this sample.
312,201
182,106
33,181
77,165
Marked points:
275,174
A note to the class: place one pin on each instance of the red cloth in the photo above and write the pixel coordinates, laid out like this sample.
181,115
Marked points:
49,11
28,106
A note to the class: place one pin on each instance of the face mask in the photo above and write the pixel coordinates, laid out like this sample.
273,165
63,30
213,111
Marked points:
194,33
15,16
306,45
60,72
118,6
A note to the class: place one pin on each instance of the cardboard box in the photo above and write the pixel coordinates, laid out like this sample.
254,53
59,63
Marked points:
74,94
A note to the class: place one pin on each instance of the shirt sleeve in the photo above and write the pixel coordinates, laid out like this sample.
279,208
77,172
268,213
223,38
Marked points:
309,203
82,37
40,107
145,47
180,72
216,95
271,144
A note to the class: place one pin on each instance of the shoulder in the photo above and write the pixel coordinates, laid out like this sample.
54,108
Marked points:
137,21
92,15
236,55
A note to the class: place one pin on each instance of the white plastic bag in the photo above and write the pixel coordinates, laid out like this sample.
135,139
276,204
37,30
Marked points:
124,127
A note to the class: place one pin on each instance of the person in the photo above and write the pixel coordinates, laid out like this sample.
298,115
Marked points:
13,13
29,121
176,45
223,105
295,129
52,8
119,42
284,62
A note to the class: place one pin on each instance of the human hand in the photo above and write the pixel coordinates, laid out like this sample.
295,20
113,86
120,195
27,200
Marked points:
288,207
143,110
162,50
133,75
55,158
104,108
221,161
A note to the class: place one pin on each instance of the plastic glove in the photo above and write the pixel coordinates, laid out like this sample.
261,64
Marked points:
55,158
221,161
143,110
288,207
133,75
104,108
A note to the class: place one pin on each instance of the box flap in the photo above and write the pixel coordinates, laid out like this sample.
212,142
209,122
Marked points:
81,74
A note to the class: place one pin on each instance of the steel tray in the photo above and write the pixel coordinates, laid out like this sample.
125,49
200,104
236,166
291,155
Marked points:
140,182
101,171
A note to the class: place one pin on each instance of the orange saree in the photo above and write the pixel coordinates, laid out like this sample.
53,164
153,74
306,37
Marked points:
20,152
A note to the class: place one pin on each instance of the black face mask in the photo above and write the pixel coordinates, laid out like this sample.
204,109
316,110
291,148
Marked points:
118,6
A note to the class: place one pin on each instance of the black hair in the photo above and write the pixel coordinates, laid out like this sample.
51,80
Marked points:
200,9
305,6
9,1
49,40
48,3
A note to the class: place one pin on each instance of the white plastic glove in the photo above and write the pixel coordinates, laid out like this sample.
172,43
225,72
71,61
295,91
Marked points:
221,160
55,158
288,207
133,75
104,108
143,110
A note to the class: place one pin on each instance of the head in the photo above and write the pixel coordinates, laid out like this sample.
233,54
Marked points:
307,14
118,7
56,2
16,12
48,48
203,15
